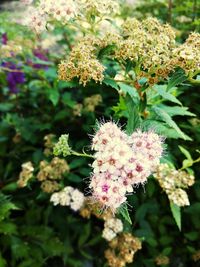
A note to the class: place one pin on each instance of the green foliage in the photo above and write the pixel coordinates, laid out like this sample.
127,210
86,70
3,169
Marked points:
33,233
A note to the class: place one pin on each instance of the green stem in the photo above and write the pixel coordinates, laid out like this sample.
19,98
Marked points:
193,81
81,154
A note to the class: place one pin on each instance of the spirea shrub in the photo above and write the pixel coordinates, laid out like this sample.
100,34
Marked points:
99,138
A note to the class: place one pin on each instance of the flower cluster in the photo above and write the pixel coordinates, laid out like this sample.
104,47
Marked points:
89,104
98,7
188,54
62,147
161,260
122,250
112,227
148,43
94,208
82,63
68,197
173,182
26,174
51,172
196,256
49,10
49,144
122,161
64,11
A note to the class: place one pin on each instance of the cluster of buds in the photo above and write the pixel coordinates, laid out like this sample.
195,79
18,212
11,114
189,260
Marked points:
26,174
82,63
121,162
89,105
196,256
50,173
49,144
68,196
112,227
94,208
98,7
10,49
188,54
91,102
173,182
161,260
122,250
62,147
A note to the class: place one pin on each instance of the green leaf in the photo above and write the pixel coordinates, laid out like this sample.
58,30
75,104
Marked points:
187,163
165,117
125,214
186,153
134,119
131,90
53,95
176,110
176,212
167,251
85,234
74,178
192,236
106,51
176,79
3,262
4,107
8,228
161,90
111,83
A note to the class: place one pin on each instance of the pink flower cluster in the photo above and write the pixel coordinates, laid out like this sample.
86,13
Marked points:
121,162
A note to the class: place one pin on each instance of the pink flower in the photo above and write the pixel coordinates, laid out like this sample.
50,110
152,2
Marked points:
121,162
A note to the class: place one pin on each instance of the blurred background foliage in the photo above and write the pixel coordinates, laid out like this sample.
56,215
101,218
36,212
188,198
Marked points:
33,233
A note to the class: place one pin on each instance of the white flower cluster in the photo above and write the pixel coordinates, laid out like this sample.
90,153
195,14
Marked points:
98,7
174,182
112,227
65,10
49,10
68,197
122,161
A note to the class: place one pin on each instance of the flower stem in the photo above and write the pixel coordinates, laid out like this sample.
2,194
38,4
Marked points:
81,154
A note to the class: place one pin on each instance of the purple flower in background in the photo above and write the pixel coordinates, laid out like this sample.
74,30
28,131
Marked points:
40,54
4,38
14,77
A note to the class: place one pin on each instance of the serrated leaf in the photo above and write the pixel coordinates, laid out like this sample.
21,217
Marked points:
177,78
162,91
162,129
131,90
111,83
125,214
176,212
176,110
165,117
134,119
